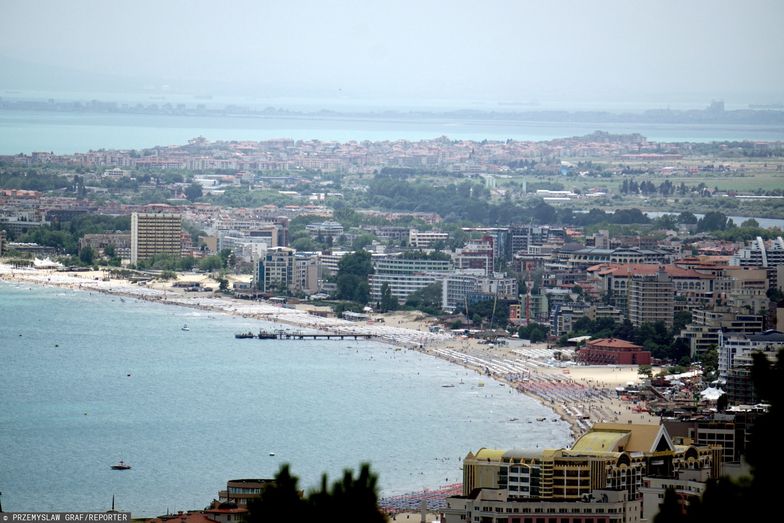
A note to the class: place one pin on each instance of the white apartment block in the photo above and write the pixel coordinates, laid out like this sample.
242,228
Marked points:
425,239
405,276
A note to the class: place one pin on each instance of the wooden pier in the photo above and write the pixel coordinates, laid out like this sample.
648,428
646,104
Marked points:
283,335
298,336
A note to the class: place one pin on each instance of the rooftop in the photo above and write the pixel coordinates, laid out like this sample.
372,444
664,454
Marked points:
613,343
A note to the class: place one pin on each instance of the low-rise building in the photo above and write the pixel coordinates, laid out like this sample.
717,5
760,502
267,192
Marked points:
119,241
425,239
688,484
611,351
495,505
241,491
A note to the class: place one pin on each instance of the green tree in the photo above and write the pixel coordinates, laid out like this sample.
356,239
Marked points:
388,302
225,256
427,299
670,509
279,501
362,241
533,332
712,221
86,255
210,263
687,218
351,499
710,361
304,243
352,277
193,192
680,320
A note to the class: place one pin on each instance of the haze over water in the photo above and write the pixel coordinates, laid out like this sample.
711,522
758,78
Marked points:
201,407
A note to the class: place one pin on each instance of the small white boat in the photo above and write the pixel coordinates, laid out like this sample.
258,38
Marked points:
185,327
271,453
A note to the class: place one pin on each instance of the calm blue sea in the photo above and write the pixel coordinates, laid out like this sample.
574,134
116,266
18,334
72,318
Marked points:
66,133
88,379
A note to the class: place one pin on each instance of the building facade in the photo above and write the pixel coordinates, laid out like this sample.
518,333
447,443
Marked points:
275,271
405,276
610,351
651,299
155,233
611,463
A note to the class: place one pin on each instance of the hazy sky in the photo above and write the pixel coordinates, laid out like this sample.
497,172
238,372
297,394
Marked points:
658,51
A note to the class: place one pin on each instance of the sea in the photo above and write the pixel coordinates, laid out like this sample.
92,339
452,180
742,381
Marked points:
90,379
72,132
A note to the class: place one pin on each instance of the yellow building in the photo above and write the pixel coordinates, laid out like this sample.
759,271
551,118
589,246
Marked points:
609,456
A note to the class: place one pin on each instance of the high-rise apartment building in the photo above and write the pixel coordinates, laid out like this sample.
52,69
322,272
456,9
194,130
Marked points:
275,270
651,299
155,233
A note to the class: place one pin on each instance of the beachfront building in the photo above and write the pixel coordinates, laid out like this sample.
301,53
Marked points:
306,273
610,457
275,270
611,351
155,233
249,244
405,275
563,316
456,287
119,241
2,241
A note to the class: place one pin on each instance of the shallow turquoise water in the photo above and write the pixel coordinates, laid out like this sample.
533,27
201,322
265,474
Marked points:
200,407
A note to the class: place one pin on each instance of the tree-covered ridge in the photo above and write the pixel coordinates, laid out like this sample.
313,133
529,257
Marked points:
350,499
748,499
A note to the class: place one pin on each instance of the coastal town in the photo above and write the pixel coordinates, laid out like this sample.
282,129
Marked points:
638,328
397,261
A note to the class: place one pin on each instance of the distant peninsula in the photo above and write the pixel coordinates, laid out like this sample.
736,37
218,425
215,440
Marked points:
715,113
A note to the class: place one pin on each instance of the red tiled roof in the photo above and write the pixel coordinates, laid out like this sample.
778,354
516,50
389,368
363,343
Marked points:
613,343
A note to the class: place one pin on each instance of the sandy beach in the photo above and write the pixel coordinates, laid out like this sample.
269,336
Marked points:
580,395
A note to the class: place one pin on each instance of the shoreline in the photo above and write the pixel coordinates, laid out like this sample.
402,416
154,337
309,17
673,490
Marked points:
579,396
